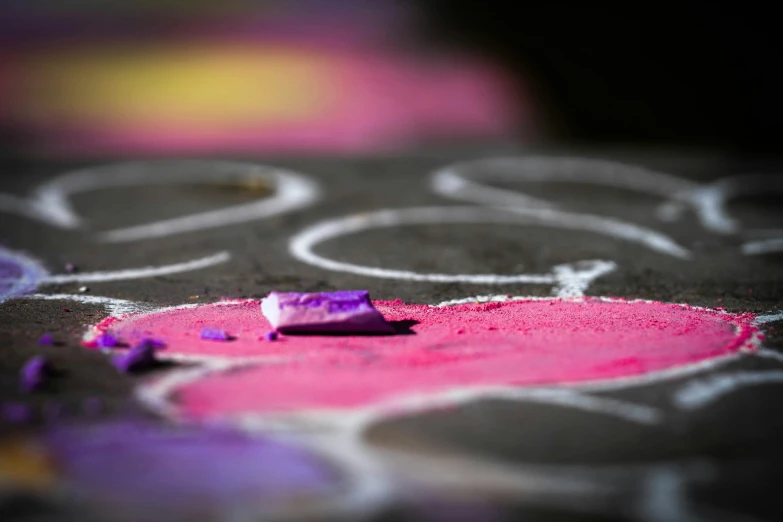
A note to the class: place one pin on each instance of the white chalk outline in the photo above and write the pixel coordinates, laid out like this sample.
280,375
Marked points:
139,273
301,245
33,272
50,203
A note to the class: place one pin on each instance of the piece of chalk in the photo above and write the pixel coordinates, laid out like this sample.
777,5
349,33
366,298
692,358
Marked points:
106,340
46,339
346,312
140,357
34,373
214,334
271,336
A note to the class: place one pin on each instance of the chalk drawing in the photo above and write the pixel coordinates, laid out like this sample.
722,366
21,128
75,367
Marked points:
458,181
244,358
113,305
50,202
302,245
701,392
465,182
768,318
19,273
139,273
709,201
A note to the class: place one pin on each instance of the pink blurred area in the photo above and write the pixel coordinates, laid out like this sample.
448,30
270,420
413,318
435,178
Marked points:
345,80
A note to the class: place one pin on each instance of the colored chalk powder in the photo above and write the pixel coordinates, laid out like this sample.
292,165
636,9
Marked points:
70,268
34,373
521,343
214,334
184,473
271,336
19,274
334,312
46,339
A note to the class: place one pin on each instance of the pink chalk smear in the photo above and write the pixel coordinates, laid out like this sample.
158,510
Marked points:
521,343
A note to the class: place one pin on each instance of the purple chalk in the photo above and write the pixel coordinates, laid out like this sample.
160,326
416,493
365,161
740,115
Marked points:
349,311
271,336
46,339
17,412
183,473
214,334
140,357
34,373
106,340
70,268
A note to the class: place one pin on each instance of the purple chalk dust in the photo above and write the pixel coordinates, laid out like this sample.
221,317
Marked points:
271,336
349,311
46,339
179,472
106,340
34,373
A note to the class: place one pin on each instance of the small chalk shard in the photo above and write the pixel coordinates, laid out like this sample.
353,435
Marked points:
70,268
34,373
46,339
83,289
271,336
106,340
214,334
140,357
346,312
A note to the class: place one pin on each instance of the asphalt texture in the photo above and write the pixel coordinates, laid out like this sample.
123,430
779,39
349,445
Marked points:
720,462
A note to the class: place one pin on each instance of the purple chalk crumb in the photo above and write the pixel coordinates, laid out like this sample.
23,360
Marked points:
214,334
271,336
349,311
46,339
34,373
140,357
106,340
17,412
70,268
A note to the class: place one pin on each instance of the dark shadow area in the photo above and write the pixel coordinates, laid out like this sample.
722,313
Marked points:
401,327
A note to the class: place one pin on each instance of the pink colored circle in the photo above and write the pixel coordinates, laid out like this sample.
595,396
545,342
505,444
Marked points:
520,343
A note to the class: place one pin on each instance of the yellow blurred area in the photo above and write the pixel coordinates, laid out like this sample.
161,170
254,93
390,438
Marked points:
23,463
175,84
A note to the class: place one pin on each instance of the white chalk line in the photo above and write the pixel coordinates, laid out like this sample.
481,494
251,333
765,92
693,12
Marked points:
301,245
766,246
766,353
457,181
768,318
50,202
709,201
701,392
139,273
113,305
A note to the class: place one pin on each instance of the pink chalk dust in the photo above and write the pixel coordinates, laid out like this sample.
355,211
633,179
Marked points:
519,343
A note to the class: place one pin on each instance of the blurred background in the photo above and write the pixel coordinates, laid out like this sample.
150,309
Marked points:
91,79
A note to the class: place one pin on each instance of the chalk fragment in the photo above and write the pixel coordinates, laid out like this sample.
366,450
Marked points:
106,340
349,311
34,373
140,357
214,334
46,339
271,336
70,268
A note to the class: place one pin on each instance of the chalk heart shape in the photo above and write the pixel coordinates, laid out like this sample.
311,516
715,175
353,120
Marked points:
50,201
529,342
